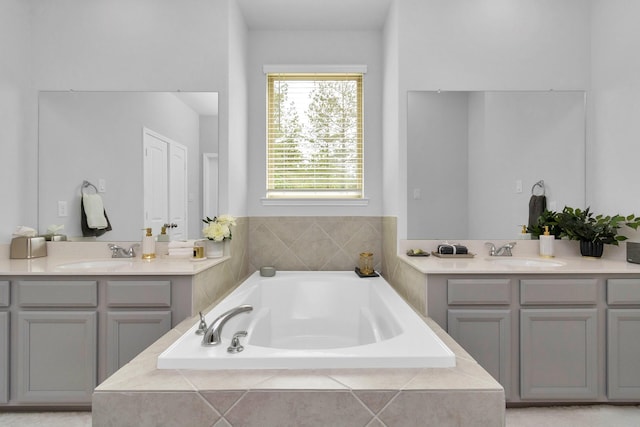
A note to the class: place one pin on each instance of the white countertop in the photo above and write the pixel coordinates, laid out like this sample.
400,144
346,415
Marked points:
61,256
567,253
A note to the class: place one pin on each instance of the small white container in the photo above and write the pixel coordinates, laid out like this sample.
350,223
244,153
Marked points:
546,243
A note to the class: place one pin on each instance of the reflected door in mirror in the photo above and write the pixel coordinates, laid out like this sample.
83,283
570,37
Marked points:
165,184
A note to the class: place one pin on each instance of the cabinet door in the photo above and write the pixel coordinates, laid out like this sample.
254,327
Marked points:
486,336
623,354
56,356
4,357
130,332
558,354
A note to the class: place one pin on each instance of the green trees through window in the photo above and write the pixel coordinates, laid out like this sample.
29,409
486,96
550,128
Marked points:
314,144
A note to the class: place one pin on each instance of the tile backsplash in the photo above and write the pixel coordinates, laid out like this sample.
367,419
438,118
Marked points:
313,242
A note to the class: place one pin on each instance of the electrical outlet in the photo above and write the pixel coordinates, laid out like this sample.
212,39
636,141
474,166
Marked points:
62,208
518,186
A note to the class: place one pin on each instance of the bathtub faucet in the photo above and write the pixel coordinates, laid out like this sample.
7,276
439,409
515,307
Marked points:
212,336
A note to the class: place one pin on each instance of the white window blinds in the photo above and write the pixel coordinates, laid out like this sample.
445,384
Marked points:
314,135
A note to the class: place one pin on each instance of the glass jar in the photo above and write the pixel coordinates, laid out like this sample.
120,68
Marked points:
366,263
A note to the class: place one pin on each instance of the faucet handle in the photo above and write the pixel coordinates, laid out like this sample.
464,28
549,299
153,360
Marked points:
202,326
131,251
114,249
492,248
235,346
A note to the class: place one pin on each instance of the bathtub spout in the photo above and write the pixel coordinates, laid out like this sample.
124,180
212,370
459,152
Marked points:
212,336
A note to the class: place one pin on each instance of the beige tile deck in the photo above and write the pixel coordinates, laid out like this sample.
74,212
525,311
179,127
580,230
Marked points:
464,395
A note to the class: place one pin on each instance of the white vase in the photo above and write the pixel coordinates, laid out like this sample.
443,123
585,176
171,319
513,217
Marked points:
214,249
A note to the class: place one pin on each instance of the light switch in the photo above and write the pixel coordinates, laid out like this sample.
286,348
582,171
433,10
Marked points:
102,185
62,208
417,194
518,186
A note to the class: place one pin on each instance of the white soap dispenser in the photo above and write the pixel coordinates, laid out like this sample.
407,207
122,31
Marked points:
148,245
524,235
163,236
546,243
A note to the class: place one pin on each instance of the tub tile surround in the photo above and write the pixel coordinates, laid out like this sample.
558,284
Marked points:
299,243
140,394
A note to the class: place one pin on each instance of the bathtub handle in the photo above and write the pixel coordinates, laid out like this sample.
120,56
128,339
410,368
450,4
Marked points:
202,327
235,346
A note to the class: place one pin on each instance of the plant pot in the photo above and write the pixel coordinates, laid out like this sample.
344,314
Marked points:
214,249
592,249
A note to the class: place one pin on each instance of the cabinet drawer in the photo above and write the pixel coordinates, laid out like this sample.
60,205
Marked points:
623,291
38,293
4,293
558,291
479,291
151,293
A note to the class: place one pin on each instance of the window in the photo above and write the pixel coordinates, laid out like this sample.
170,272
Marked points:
314,135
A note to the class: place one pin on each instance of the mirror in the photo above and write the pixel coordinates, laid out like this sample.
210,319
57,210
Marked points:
475,157
99,137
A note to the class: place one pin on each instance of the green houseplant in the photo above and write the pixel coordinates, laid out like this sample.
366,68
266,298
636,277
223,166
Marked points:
547,218
593,231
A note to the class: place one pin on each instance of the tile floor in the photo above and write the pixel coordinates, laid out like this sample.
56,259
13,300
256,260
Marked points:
584,416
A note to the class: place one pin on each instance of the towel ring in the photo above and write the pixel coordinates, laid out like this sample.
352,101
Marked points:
87,184
538,184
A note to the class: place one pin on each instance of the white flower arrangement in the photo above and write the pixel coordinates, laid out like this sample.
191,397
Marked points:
218,229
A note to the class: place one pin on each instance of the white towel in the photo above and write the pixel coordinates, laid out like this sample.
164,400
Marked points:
94,209
181,244
181,251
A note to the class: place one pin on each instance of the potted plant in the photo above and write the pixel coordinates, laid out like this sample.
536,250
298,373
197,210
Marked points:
547,218
593,231
217,230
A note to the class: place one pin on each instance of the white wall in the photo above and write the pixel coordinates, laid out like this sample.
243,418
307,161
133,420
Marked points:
324,48
487,45
428,44
392,131
614,154
146,45
17,172
234,193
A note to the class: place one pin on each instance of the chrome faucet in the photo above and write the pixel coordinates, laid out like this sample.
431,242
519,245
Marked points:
120,252
212,335
504,250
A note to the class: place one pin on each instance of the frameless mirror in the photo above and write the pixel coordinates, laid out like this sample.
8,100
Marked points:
474,159
143,152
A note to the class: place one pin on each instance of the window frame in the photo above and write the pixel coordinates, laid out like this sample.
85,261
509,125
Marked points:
317,197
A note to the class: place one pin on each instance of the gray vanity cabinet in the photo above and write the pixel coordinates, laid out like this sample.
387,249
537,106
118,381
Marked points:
4,341
138,314
546,337
60,336
623,332
55,342
479,319
558,354
486,336
559,346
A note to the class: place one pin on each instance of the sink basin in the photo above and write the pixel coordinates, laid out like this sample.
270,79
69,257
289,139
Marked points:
525,262
107,264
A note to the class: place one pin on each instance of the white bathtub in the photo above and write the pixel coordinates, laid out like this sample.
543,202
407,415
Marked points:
314,320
